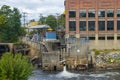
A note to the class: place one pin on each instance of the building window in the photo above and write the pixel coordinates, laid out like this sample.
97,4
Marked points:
118,25
91,13
101,13
72,26
72,14
101,38
110,13
118,38
82,25
118,13
101,25
82,13
110,38
110,25
91,38
91,25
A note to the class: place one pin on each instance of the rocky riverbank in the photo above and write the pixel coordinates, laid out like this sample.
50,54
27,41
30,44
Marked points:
108,59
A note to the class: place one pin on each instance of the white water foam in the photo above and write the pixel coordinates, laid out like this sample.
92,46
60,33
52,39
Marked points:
104,74
66,74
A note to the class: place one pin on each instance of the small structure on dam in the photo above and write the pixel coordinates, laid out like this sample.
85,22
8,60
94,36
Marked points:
78,50
52,52
56,50
75,56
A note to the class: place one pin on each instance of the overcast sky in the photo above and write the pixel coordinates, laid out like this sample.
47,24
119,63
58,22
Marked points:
36,7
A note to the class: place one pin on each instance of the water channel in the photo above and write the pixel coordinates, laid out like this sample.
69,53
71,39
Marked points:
81,75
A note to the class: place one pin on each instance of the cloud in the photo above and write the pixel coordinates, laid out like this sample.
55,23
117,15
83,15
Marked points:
35,7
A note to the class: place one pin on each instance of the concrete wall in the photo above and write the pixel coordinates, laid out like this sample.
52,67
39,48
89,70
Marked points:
51,61
72,63
77,47
105,44
102,44
95,44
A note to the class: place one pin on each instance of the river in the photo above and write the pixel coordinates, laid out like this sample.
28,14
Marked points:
81,75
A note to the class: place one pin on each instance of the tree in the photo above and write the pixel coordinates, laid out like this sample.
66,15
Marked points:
15,67
2,22
16,21
51,21
33,20
42,20
61,20
10,27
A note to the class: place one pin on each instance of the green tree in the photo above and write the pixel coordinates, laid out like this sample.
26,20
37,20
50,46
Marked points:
61,20
42,20
51,21
10,25
2,22
14,67
16,21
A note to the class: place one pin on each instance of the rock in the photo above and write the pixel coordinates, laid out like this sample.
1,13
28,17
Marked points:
102,60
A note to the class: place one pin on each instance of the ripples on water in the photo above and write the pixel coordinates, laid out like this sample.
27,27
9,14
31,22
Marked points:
65,75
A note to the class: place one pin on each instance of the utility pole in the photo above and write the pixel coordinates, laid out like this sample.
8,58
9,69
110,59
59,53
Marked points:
40,15
24,17
57,15
40,18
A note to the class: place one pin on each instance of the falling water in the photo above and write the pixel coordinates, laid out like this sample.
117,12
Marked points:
66,74
64,69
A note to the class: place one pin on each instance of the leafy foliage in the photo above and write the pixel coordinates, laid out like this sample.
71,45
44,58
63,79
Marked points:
106,51
61,20
2,20
113,60
97,52
42,20
51,21
10,24
14,67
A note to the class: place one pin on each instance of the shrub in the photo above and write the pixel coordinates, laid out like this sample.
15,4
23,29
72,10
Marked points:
111,60
97,52
14,67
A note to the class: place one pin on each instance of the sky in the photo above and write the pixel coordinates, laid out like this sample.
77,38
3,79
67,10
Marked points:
34,8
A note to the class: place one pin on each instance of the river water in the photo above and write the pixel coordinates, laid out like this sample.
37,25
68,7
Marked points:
81,75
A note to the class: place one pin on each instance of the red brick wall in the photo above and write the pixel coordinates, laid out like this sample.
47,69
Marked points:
91,4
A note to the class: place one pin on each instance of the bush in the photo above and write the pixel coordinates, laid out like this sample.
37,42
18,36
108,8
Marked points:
97,52
113,60
14,67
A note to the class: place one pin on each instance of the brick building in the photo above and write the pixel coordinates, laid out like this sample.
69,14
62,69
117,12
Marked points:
96,20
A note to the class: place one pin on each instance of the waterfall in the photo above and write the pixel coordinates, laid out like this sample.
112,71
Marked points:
66,74
64,69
